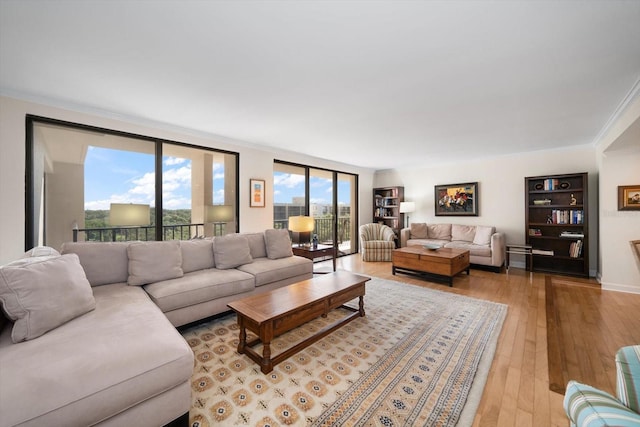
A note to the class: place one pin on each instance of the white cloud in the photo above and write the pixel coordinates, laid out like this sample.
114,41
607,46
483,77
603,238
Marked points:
288,180
172,161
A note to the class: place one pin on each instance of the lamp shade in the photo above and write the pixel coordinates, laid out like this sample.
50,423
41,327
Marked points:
407,207
219,213
129,214
301,224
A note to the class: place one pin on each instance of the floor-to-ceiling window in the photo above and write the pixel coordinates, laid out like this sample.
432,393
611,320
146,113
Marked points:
329,196
87,183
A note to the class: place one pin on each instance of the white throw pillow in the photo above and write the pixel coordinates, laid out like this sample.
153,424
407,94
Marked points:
231,251
44,293
40,251
278,243
151,262
483,235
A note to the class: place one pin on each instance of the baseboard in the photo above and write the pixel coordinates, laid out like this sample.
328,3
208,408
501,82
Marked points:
617,287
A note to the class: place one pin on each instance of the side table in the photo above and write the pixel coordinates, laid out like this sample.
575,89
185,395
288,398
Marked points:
525,250
320,252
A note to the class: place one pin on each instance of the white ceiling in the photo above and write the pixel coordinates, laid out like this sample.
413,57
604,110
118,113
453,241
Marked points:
378,84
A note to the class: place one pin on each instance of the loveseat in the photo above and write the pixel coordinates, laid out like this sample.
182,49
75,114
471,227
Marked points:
486,246
91,337
587,406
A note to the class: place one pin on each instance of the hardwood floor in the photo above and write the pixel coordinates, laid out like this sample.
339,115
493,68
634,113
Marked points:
517,389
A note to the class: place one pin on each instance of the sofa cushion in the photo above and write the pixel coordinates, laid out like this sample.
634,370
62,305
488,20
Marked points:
199,286
465,233
422,242
267,270
196,254
628,376
231,251
103,262
439,231
257,247
154,261
120,354
43,293
475,250
419,230
278,243
483,235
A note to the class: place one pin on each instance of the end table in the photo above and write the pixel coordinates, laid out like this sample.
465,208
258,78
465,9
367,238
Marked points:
320,252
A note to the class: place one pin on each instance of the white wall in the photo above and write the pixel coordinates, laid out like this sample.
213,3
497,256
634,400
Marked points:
500,189
619,161
254,163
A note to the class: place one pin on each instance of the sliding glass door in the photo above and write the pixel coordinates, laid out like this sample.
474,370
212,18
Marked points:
92,184
329,197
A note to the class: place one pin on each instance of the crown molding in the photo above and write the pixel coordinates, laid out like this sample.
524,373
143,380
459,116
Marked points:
621,109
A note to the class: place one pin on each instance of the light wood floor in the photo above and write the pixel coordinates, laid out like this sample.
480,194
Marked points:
517,389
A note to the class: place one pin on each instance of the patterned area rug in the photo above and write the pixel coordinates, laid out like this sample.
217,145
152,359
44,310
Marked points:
411,360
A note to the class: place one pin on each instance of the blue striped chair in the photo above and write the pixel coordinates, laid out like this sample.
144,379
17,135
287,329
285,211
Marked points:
589,407
377,242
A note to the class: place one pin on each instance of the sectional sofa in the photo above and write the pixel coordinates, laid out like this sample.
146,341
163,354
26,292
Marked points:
486,246
90,334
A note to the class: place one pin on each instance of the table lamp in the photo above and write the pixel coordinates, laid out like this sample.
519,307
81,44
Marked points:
303,225
407,207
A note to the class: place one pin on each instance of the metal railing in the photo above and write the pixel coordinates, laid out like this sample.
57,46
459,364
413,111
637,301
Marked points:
324,228
147,233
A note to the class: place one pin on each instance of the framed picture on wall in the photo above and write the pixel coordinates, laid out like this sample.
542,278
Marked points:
456,199
256,193
629,197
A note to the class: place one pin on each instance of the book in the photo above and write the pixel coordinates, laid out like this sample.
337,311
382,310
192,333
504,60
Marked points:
542,252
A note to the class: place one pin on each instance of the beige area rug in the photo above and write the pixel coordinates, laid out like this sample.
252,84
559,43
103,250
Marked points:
418,357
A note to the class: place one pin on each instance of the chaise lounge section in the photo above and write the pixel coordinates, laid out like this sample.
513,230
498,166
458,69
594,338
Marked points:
93,339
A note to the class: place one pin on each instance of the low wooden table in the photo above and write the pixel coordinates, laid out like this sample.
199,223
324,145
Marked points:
441,264
275,312
320,252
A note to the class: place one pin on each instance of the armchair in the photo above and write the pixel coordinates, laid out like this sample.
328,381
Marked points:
377,241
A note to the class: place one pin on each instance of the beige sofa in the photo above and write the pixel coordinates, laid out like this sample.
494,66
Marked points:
91,337
486,246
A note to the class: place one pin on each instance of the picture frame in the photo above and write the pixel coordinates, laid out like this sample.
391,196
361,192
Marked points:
456,199
629,197
256,193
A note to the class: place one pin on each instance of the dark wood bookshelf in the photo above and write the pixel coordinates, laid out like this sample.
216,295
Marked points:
386,207
557,223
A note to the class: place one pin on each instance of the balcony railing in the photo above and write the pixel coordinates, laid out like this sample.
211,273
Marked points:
148,233
324,228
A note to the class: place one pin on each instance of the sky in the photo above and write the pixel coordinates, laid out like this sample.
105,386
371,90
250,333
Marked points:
117,176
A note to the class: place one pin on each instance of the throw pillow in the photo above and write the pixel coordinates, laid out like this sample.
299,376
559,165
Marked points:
483,235
439,231
151,262
40,251
278,243
40,296
256,245
197,254
419,230
231,251
464,233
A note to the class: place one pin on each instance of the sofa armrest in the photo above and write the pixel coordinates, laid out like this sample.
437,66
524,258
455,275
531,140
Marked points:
586,405
405,234
497,249
628,376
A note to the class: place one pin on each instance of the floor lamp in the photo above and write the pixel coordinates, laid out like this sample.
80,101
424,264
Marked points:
128,215
219,215
407,207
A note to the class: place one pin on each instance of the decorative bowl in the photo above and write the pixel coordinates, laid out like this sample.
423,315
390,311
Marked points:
432,246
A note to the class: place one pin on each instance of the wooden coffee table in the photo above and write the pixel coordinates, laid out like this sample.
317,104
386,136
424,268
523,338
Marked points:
441,264
275,312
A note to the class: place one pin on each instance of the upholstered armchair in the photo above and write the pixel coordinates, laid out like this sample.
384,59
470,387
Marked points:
377,241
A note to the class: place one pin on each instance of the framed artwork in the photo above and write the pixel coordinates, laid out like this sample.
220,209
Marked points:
256,193
629,197
456,199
